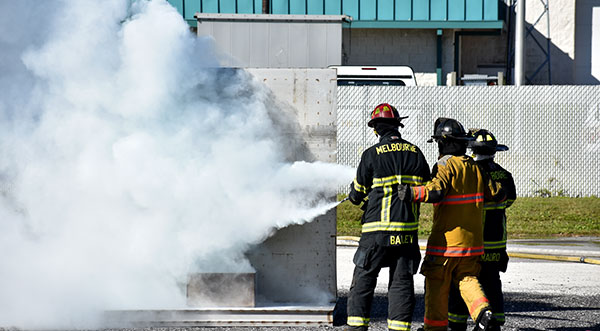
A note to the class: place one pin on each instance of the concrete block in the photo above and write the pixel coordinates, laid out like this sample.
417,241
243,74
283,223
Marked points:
221,290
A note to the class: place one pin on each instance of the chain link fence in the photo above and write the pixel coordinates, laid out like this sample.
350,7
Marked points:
553,132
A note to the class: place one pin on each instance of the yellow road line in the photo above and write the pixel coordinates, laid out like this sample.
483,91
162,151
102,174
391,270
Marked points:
581,259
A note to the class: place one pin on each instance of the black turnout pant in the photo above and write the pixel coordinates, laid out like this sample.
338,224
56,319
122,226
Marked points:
369,259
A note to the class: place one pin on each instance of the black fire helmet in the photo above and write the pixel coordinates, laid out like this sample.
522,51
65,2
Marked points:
449,128
484,142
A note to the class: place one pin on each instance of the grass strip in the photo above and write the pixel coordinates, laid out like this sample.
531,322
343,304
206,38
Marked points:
528,217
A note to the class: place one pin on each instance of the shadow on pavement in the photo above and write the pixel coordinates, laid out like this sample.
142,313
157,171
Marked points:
524,311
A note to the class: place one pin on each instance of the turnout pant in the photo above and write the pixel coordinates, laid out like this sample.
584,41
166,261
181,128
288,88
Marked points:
489,277
440,274
369,259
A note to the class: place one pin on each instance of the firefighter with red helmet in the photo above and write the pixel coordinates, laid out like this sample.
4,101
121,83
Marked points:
389,225
458,189
494,259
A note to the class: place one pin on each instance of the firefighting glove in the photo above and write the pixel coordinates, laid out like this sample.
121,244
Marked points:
350,197
404,192
365,205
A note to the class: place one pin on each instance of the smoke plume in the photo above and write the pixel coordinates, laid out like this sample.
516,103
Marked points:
128,161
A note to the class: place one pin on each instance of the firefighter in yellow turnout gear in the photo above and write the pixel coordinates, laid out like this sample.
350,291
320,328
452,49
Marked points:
495,259
458,189
389,230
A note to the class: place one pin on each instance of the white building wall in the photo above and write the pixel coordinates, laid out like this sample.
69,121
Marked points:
572,42
587,42
562,37
574,46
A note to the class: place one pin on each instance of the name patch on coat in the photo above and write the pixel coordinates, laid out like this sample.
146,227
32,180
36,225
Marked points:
401,239
497,175
490,257
396,147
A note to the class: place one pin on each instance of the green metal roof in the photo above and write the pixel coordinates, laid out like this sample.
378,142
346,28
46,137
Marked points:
405,14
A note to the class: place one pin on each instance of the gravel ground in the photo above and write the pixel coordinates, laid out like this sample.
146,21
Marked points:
539,295
524,311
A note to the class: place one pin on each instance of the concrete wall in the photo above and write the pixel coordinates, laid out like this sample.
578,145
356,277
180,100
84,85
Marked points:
298,263
310,96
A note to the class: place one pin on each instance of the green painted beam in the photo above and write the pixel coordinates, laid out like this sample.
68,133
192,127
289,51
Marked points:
438,69
193,23
425,25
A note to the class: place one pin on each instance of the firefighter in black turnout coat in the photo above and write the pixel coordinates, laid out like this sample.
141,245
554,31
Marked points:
389,230
495,259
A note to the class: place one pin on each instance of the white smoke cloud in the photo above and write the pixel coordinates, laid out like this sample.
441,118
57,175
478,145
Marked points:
126,163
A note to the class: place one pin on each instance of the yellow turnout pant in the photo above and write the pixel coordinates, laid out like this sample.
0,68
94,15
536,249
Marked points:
440,272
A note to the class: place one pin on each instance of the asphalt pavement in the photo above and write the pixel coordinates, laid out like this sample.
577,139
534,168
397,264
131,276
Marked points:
567,246
544,291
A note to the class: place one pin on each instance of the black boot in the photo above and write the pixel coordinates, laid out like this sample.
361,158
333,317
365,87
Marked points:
457,326
356,328
484,320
